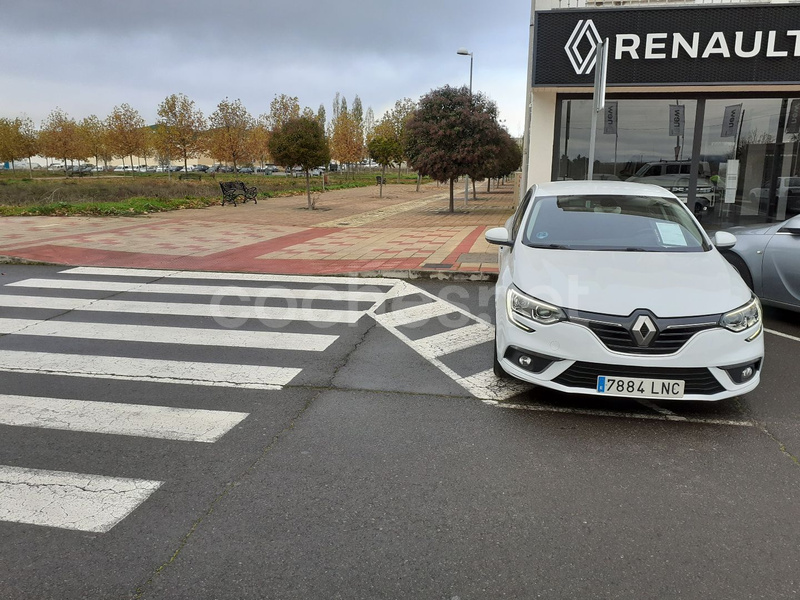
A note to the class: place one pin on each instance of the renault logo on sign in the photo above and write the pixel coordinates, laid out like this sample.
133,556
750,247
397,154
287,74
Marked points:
584,33
644,330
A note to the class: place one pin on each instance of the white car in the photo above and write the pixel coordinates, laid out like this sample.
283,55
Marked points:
613,289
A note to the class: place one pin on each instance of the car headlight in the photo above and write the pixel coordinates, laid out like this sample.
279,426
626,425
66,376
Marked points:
744,317
524,311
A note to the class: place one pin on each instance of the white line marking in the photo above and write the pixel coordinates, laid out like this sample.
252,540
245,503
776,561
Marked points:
233,338
69,500
415,314
147,369
159,273
454,340
783,335
161,422
202,290
623,415
14,325
269,313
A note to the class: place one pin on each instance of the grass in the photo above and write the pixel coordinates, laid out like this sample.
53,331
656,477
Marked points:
143,193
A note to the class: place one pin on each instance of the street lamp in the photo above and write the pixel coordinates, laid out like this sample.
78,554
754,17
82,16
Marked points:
465,52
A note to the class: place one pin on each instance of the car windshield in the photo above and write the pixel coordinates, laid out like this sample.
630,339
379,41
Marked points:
612,222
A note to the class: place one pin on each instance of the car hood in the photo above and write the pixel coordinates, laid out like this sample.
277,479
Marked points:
671,284
760,229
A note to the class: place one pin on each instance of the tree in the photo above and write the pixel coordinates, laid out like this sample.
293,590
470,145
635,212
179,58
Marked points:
506,159
347,136
258,141
369,123
384,147
446,135
229,133
94,137
321,116
27,140
165,151
301,142
126,132
398,116
282,109
59,137
183,126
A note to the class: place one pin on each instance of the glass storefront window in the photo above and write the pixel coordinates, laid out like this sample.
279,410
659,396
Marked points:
748,168
740,144
631,135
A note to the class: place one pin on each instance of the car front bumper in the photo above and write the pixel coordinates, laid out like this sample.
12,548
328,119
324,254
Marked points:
568,357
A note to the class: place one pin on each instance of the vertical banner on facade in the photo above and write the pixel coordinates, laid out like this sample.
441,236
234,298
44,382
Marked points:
610,118
730,122
793,118
677,119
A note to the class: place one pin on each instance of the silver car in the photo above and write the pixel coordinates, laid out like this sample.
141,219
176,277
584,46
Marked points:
767,257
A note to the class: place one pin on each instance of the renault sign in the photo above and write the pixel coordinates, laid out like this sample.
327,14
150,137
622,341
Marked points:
667,46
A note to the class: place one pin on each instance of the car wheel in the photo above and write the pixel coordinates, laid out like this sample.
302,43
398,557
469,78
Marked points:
698,210
740,266
497,367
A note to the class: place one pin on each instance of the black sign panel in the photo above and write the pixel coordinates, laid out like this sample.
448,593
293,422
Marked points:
668,46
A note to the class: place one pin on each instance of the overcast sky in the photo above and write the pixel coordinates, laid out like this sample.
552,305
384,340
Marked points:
87,56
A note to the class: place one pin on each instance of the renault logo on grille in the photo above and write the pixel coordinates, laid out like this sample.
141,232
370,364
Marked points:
584,33
644,330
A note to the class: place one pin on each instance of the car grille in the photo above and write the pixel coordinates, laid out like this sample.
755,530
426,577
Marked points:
584,375
618,339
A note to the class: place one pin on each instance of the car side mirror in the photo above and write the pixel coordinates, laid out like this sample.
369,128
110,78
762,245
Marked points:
724,240
498,236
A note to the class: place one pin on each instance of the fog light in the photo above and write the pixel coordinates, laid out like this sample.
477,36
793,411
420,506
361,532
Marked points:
525,361
743,373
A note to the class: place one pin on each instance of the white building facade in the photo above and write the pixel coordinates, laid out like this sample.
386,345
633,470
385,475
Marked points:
702,98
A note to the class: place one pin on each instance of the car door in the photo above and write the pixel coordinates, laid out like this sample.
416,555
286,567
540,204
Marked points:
781,265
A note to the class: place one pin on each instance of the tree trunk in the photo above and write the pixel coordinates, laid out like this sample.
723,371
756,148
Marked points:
419,179
399,166
452,206
488,184
474,197
133,171
308,190
30,167
185,163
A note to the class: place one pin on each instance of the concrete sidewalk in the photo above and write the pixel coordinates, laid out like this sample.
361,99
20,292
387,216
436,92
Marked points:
404,234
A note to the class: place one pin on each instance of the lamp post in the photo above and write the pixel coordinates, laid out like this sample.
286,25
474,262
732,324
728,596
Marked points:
465,52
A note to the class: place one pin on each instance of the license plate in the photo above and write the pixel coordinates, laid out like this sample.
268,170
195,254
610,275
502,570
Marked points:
643,388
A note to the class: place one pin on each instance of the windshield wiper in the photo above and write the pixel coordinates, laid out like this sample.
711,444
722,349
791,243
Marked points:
636,249
552,246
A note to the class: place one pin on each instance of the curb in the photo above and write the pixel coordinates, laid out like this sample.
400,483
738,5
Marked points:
410,275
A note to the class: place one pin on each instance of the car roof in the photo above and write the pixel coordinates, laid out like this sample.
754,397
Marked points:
600,187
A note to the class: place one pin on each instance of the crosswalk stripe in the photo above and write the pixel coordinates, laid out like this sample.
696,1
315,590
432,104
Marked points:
202,290
454,340
148,369
161,422
158,273
14,325
415,314
69,500
320,315
234,338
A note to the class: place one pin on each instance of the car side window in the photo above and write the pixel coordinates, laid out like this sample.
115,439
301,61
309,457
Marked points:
520,213
673,169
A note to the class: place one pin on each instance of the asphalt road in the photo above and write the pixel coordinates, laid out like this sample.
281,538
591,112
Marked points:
363,453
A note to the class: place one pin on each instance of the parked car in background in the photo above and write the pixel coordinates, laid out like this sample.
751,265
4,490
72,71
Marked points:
246,170
613,289
767,256
787,192
200,168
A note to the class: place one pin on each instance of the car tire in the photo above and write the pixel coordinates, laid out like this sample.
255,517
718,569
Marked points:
740,266
698,210
497,367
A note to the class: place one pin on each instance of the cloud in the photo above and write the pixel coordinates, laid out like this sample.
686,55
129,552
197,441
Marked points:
89,56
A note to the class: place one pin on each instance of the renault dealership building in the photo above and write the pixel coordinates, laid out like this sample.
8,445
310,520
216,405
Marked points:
703,99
